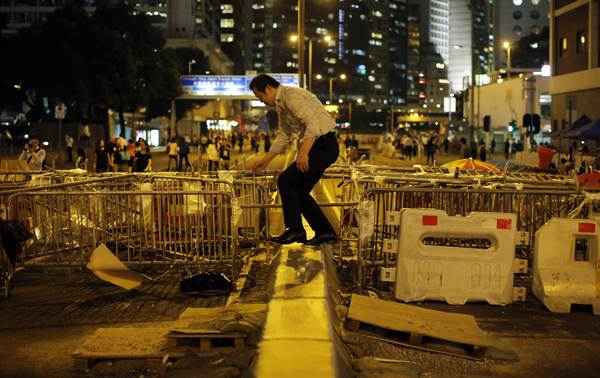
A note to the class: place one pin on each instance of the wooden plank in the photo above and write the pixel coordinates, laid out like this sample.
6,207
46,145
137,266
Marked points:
202,336
193,331
127,342
401,317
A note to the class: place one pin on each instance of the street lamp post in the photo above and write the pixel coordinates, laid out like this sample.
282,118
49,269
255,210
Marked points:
331,79
193,61
507,47
301,8
310,63
294,39
450,95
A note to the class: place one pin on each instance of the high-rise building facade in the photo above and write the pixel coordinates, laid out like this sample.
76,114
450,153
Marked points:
483,27
438,25
234,34
427,83
179,18
20,14
575,61
372,46
414,83
460,36
471,40
398,53
515,19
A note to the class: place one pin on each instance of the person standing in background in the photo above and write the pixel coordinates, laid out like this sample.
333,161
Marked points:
69,148
172,151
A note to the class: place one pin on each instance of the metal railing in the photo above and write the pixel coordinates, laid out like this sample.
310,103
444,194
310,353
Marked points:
164,218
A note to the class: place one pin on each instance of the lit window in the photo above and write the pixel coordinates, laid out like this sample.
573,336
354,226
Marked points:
226,8
226,37
581,40
227,23
562,46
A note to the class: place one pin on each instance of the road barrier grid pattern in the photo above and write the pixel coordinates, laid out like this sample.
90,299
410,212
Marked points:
173,218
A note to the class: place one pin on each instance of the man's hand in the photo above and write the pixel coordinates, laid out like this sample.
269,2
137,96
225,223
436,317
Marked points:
302,162
302,157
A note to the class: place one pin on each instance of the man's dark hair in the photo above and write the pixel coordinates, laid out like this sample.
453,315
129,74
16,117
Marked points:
260,82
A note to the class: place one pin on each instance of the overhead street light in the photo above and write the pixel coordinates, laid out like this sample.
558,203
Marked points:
331,79
294,39
193,61
506,45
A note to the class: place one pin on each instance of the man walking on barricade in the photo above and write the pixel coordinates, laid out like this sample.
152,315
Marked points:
299,112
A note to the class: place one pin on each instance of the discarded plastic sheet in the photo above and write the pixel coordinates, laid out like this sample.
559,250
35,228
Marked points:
236,212
194,203
146,206
565,264
366,219
325,191
106,266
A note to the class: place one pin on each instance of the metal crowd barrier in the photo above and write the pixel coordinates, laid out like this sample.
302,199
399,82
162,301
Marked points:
156,218
144,219
532,208
142,226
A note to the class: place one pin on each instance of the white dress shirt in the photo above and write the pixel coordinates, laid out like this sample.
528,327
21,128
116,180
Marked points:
299,112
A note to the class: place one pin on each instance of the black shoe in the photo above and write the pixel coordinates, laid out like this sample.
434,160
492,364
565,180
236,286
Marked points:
326,237
290,236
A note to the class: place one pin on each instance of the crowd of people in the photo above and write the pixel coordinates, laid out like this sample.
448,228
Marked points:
34,155
213,151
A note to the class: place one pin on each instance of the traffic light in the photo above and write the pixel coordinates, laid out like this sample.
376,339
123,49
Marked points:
487,122
535,123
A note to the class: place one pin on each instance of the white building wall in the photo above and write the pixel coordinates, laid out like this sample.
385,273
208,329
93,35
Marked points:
508,101
516,19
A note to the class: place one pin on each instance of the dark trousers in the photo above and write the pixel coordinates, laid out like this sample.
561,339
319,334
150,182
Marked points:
295,186
184,163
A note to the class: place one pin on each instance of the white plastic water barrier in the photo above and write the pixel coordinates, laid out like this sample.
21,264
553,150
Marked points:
567,264
456,259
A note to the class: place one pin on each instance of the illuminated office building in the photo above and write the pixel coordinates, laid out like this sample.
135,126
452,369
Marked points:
515,19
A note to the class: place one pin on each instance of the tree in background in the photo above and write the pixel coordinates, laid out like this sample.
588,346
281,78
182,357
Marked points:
112,58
